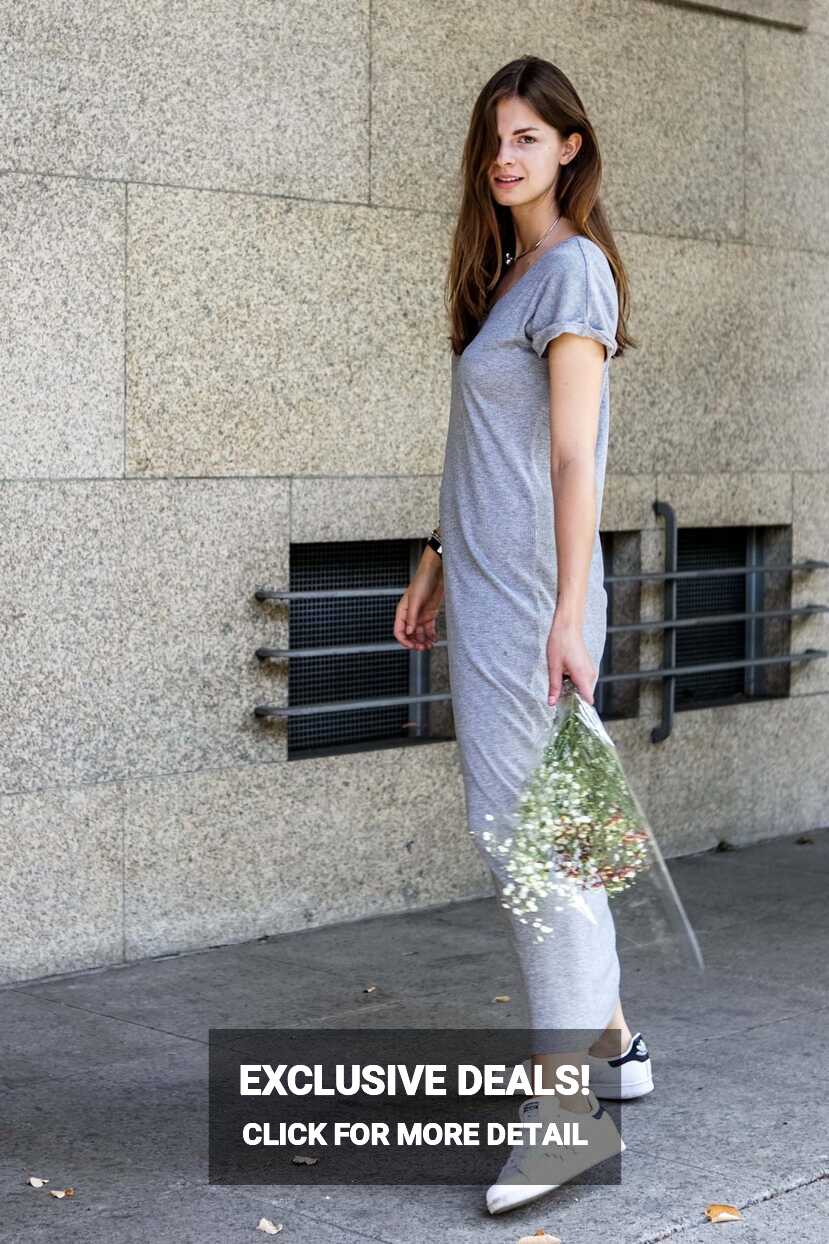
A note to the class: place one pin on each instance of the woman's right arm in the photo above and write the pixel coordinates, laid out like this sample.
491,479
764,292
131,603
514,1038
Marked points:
576,371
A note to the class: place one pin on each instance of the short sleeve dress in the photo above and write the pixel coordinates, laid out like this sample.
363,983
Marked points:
497,527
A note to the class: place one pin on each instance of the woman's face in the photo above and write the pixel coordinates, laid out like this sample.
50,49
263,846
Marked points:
529,151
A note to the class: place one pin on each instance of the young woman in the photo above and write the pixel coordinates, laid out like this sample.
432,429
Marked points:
537,295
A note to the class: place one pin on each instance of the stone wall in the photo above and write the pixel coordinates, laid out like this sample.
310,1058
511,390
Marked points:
224,231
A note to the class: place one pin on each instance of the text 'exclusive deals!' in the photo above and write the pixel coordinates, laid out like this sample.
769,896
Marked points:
411,1105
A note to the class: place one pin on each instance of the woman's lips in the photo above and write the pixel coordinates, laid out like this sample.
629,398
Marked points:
512,182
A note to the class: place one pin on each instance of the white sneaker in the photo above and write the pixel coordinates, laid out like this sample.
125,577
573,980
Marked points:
628,1075
532,1170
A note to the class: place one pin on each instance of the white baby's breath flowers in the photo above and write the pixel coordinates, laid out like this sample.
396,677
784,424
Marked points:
578,827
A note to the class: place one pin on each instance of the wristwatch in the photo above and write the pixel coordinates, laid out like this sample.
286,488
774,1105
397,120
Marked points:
435,541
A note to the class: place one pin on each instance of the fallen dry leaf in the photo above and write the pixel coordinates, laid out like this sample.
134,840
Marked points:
540,1237
722,1213
501,997
265,1224
299,1159
61,1192
36,1181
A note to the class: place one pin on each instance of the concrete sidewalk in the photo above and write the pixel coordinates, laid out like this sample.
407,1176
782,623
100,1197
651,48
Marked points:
104,1074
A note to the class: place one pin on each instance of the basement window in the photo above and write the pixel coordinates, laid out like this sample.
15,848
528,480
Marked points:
375,667
737,639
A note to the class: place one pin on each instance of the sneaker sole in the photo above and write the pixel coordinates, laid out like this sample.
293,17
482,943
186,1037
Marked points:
618,1092
534,1191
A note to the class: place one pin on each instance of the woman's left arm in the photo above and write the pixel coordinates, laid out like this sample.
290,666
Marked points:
576,366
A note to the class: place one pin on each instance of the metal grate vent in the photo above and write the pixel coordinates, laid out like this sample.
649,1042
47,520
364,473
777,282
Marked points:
315,680
727,602
707,548
603,694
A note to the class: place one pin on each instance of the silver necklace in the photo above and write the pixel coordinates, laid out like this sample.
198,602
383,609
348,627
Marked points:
510,259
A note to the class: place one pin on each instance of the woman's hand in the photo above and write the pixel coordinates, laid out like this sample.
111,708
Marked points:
414,619
567,654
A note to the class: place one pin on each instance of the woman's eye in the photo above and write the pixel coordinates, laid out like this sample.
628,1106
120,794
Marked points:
529,138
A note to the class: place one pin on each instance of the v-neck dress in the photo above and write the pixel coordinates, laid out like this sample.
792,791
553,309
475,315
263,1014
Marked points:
499,570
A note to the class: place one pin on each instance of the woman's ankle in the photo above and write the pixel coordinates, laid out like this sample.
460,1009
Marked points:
611,1043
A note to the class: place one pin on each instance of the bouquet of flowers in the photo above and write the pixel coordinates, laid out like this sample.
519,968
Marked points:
578,827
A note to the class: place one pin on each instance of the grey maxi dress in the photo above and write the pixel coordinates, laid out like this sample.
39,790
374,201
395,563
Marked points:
499,564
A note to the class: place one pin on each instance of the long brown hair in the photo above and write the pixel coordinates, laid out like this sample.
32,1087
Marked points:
484,229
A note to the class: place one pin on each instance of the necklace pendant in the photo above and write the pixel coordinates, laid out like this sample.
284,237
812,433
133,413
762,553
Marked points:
508,259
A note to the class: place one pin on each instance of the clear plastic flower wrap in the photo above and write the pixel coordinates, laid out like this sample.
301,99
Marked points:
579,828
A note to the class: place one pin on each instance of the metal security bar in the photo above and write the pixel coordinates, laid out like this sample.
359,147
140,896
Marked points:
669,671
669,624
338,602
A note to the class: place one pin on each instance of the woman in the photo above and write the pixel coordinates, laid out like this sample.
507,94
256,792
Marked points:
535,291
